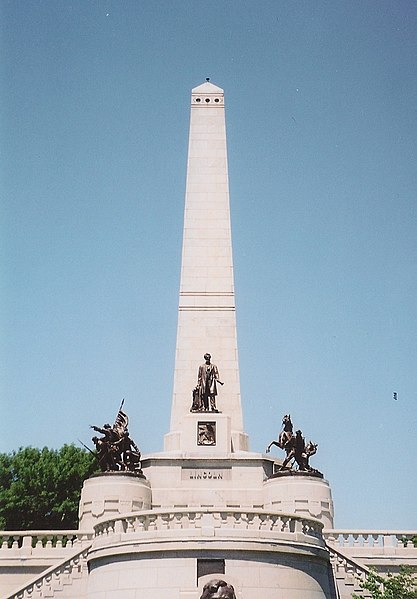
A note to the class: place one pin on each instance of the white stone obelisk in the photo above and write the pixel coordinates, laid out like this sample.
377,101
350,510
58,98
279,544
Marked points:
206,317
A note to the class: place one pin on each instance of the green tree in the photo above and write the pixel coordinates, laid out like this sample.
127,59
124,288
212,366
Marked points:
393,586
40,488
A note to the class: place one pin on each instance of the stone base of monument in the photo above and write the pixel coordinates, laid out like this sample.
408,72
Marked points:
301,493
209,481
109,494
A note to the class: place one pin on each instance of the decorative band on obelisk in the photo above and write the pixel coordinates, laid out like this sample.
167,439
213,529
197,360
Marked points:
205,392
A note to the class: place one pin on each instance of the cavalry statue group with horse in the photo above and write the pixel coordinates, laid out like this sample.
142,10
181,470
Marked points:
296,450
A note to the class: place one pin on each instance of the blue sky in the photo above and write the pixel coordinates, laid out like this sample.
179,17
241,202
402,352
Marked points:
321,117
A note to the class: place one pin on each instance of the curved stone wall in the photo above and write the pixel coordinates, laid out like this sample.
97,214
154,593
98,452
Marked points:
110,494
305,495
266,554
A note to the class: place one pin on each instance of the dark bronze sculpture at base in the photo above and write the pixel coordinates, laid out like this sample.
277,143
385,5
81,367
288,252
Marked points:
120,473
278,473
297,451
115,450
216,589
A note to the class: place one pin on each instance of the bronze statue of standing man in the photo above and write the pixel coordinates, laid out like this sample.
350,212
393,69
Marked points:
208,377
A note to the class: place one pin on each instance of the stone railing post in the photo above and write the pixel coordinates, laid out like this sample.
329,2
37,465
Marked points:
26,549
119,526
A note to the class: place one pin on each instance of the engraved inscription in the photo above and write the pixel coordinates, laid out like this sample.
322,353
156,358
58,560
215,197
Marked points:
205,474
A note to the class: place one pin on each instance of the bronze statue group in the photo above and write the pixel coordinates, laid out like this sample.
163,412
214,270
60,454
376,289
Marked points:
115,450
295,447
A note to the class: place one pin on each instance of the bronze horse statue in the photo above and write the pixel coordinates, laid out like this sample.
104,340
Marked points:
285,436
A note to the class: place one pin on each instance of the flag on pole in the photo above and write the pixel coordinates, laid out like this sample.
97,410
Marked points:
122,421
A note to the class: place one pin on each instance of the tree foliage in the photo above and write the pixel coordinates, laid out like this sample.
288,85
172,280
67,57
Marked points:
393,586
40,488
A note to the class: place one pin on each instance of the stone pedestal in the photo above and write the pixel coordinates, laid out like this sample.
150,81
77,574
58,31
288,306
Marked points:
206,432
300,493
111,493
208,479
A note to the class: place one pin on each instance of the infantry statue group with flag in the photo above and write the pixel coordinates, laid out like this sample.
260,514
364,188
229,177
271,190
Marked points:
115,450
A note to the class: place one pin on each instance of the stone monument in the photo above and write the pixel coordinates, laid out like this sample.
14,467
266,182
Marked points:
220,523
210,519
206,518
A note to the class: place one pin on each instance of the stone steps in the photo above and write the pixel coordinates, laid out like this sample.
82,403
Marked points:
65,580
348,574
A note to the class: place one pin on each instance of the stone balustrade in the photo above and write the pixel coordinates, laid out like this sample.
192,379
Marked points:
228,523
353,552
24,543
348,566
376,540
41,541
348,574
